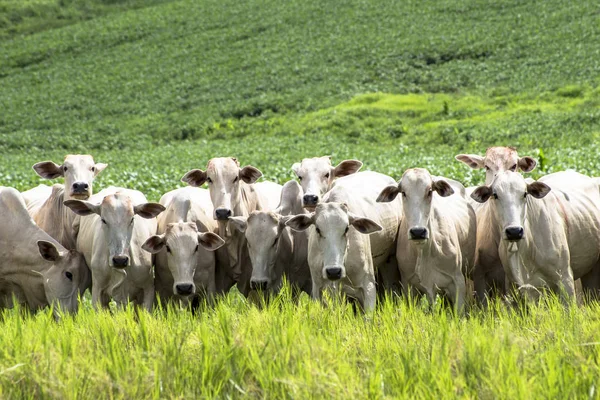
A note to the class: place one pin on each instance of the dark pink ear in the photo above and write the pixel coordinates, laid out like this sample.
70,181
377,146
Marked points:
538,190
48,250
472,160
442,188
482,194
347,167
195,177
388,194
148,210
527,164
48,170
300,222
154,244
249,174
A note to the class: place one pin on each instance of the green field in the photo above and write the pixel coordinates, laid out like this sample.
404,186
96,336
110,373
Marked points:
156,88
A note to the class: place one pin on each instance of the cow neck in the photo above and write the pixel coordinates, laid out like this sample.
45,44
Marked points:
25,273
53,209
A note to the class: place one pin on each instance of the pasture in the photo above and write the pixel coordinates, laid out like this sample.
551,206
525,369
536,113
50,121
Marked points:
157,88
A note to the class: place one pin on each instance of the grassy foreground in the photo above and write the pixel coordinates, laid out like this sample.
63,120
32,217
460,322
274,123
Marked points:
304,351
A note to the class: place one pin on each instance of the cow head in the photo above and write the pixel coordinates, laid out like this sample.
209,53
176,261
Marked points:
117,214
316,176
184,245
332,223
79,172
510,195
263,231
66,278
223,176
498,159
417,187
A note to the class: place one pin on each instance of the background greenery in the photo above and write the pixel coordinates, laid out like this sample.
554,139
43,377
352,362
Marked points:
155,88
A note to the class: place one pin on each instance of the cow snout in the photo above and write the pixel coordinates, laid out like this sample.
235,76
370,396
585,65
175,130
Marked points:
514,232
333,273
80,187
259,285
222,214
120,261
184,289
310,200
418,233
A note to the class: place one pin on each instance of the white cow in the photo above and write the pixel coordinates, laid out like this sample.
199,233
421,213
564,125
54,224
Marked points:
233,193
316,176
35,268
436,240
184,246
352,236
116,223
488,274
550,230
274,249
49,212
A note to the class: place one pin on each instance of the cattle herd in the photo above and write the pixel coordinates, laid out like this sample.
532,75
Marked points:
335,228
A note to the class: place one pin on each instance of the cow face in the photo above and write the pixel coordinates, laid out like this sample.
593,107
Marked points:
496,160
332,223
183,244
263,231
66,278
316,176
417,188
223,176
117,214
510,193
79,172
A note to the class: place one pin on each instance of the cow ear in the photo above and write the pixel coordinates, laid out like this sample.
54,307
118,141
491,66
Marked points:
154,244
538,190
527,164
364,225
48,170
442,188
347,167
82,208
148,210
239,223
300,222
195,177
210,241
99,167
388,193
481,194
472,160
249,174
48,250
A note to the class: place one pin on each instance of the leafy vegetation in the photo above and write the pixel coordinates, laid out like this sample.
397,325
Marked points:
156,88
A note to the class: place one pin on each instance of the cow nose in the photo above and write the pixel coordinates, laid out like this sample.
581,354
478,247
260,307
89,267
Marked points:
222,213
310,199
120,261
184,289
80,187
259,285
333,273
418,233
514,232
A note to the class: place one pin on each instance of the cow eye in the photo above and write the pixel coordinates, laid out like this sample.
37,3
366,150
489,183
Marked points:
346,231
275,242
65,168
318,231
525,195
430,192
168,249
495,196
235,179
196,249
93,169
327,175
300,178
208,180
403,194
69,275
513,168
131,221
103,221
487,168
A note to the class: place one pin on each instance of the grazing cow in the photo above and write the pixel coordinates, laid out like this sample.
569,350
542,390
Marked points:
488,274
115,225
550,230
36,269
49,213
436,240
184,246
316,176
352,236
233,193
274,249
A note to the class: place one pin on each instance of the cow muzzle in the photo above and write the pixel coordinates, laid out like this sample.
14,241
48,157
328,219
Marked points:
184,289
80,191
222,214
514,233
260,285
120,262
418,233
334,272
310,201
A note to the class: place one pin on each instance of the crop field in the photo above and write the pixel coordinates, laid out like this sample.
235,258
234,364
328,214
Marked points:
155,88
